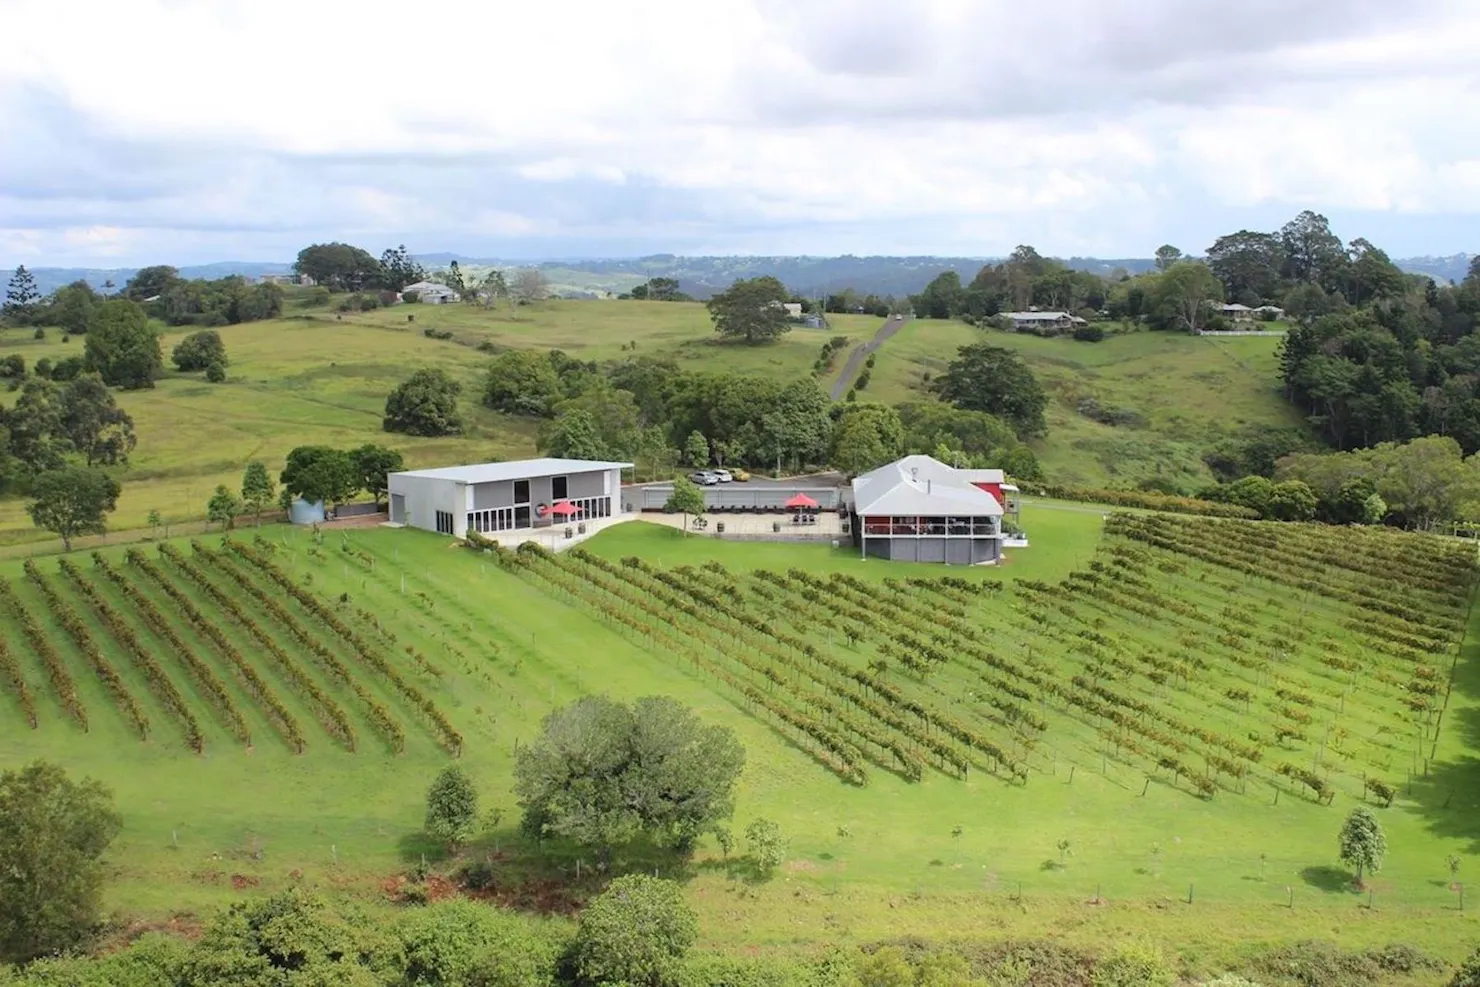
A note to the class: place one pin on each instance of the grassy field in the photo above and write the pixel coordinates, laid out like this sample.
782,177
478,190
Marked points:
494,649
315,378
1190,391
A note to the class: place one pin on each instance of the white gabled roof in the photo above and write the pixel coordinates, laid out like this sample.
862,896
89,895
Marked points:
1236,307
522,469
923,485
422,287
1036,316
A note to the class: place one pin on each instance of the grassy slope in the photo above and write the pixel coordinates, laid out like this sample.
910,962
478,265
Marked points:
1193,391
351,819
318,379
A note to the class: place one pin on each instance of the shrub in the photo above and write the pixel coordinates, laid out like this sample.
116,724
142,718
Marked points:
410,297
67,368
636,931
1091,333
39,334
1133,965
216,372
199,350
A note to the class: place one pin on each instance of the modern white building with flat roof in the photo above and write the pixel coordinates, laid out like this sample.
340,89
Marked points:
493,497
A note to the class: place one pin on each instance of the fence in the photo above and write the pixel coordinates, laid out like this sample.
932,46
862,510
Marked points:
732,497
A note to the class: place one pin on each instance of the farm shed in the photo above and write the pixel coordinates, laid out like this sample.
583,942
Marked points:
492,497
918,509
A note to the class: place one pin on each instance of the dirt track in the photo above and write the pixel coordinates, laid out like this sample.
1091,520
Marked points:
860,353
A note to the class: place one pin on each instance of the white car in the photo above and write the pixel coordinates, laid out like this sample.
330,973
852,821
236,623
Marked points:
723,476
704,478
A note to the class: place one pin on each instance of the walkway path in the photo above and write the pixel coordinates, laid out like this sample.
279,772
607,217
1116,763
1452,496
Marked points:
860,353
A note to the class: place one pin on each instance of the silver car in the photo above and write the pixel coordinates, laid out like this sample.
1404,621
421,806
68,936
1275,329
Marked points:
723,476
704,478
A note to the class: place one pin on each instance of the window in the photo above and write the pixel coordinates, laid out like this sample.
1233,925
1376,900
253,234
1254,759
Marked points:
521,491
444,522
560,487
521,516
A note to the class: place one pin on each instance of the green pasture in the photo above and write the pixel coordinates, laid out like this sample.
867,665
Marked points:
201,829
319,377
1192,392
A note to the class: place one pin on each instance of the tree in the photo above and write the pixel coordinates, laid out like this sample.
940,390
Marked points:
53,834
258,490
1166,256
530,285
696,449
573,434
199,350
71,306
33,427
942,298
493,288
93,422
866,436
452,808
751,309
996,381
1291,501
1248,263
373,464
121,346
150,282
338,266
635,932
766,844
215,372
522,382
398,269
600,773
154,521
223,507
1361,843
293,938
686,498
1185,291
319,473
425,404
21,298
454,279
1312,252
72,501
461,943
1468,975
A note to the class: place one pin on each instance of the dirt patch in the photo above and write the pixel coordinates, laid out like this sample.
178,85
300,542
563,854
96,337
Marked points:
358,521
242,881
799,867
185,925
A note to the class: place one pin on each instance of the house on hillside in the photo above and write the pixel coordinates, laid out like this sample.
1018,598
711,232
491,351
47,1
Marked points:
299,279
431,293
1237,313
1269,313
1042,322
918,509
494,497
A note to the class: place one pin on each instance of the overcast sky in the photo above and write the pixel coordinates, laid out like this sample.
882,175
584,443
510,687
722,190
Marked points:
181,131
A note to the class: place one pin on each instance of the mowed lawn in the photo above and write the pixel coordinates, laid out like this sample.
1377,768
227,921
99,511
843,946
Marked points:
320,378
1191,392
864,863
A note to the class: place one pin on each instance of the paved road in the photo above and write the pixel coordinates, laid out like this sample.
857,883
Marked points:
860,353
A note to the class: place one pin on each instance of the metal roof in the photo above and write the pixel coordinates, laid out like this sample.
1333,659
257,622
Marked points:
1036,316
521,469
923,485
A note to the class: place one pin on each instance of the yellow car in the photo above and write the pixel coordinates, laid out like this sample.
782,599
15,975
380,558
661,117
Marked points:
739,476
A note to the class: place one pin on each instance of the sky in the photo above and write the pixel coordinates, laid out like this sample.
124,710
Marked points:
189,131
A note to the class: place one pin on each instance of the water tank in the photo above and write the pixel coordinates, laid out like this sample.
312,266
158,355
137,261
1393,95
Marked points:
302,512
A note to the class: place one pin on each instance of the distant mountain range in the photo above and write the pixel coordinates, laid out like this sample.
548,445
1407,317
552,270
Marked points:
703,276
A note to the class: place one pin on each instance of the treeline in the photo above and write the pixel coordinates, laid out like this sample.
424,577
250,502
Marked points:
160,290
647,410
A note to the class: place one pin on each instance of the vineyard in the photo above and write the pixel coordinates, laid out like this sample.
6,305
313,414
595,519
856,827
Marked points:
169,636
1223,659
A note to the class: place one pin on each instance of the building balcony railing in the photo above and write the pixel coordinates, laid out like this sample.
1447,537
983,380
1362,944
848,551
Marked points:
932,527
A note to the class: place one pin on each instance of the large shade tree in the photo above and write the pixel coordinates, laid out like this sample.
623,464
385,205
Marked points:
72,501
751,309
995,380
121,345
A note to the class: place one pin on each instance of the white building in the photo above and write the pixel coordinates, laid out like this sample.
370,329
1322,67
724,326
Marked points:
918,509
492,497
431,293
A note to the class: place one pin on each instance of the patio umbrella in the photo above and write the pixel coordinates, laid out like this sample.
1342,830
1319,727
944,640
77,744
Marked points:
564,508
801,500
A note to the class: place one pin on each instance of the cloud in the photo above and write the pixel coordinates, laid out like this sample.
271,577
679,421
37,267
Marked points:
245,128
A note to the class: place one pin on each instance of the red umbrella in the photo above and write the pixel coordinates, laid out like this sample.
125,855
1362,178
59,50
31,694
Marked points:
801,500
565,508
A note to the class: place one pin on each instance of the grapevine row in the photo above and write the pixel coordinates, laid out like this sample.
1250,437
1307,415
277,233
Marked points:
447,734
328,712
56,669
159,684
80,635
210,684
10,671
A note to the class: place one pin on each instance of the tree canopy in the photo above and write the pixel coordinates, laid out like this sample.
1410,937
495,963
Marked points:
338,266
53,834
635,932
373,464
320,473
1361,843
452,807
121,346
199,350
94,424
72,501
602,773
424,404
995,380
751,309
866,436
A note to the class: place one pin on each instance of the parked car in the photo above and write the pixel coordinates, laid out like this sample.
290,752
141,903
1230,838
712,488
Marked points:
722,475
704,478
739,476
